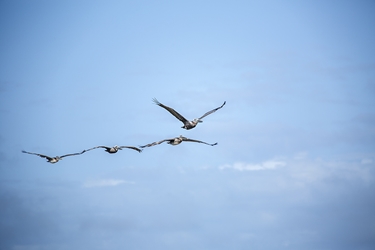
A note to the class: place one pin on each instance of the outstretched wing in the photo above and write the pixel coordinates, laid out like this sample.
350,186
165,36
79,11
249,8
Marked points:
40,155
73,154
94,148
171,110
212,111
192,140
155,143
135,148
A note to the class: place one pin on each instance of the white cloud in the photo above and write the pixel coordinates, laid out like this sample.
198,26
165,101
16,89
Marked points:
241,166
105,183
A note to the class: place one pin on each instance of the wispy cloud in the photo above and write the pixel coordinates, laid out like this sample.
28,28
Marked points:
105,183
366,161
241,166
303,169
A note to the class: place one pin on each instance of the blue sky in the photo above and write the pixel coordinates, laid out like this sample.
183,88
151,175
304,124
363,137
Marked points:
294,167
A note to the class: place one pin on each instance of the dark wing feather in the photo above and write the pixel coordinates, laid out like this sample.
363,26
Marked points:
95,148
135,148
155,143
192,140
73,154
40,155
171,110
212,111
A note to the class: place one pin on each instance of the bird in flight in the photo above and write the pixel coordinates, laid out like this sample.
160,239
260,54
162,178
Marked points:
53,159
175,141
187,124
114,149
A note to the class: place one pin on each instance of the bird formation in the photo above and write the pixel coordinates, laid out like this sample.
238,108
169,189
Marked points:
172,141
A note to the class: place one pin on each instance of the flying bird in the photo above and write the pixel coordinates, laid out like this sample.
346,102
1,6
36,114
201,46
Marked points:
187,124
114,149
53,159
175,141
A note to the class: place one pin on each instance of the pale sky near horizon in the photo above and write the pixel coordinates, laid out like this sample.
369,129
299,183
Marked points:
294,167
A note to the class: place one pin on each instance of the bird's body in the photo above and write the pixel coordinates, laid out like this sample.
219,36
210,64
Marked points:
175,141
114,149
187,124
52,159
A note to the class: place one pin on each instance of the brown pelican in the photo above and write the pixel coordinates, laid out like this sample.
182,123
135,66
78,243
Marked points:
52,159
187,124
114,149
175,141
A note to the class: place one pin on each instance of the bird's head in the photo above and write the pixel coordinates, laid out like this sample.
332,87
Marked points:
181,138
54,159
